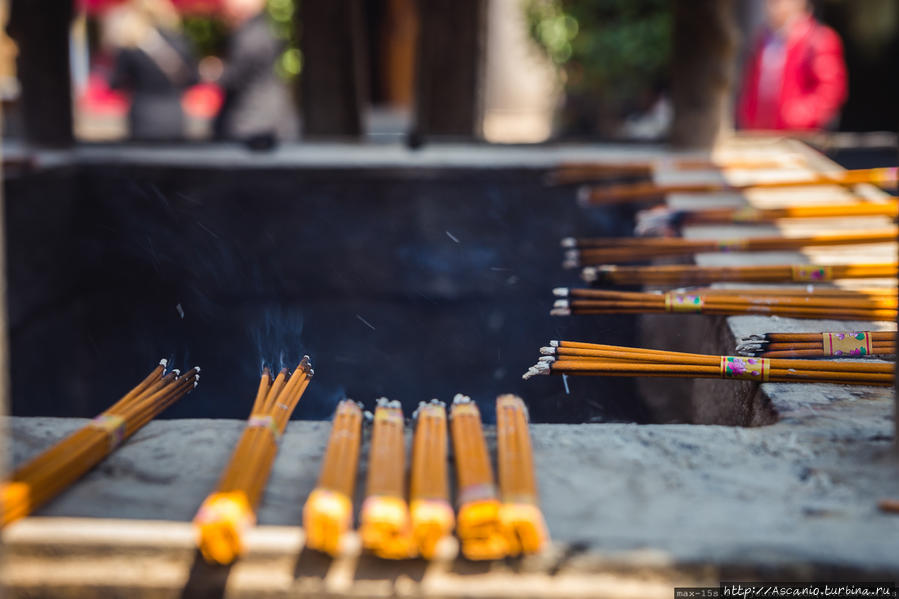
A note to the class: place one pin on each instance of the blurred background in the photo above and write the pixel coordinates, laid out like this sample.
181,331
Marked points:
182,176
546,69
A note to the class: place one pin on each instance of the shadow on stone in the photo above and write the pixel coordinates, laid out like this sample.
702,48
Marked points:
311,563
370,567
205,581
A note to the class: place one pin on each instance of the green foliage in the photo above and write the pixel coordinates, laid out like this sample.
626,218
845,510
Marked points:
281,13
616,51
209,35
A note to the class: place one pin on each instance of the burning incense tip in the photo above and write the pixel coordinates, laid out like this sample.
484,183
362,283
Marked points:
546,359
589,274
176,371
554,343
560,312
561,303
197,369
459,398
163,362
569,242
560,291
548,351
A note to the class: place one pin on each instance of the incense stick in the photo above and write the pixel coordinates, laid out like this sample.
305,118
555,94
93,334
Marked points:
577,358
661,219
577,172
613,194
855,344
612,250
432,514
226,515
386,527
478,524
842,305
48,474
662,275
520,513
328,512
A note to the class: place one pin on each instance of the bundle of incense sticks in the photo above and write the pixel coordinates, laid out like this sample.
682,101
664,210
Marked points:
328,512
688,275
832,304
847,344
386,527
615,250
45,476
637,192
432,514
662,220
520,513
478,523
230,511
578,172
576,358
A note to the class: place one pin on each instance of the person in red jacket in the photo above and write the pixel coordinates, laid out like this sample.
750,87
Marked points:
796,76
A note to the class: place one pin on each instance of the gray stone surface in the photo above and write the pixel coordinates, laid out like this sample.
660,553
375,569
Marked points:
801,492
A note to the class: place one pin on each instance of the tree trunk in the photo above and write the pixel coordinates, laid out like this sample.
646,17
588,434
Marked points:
451,50
702,71
333,82
41,30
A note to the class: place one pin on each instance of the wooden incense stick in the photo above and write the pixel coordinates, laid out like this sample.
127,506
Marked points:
386,527
519,513
578,172
853,344
478,524
844,305
578,358
638,192
612,250
51,472
663,220
328,512
226,515
677,274
432,514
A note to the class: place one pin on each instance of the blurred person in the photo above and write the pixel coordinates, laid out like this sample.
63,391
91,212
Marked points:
257,103
796,76
152,62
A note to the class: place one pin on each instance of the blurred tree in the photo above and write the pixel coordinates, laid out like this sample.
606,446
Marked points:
612,57
208,34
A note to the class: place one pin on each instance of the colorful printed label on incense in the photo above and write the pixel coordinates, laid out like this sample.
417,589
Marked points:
265,421
731,245
746,214
747,369
479,492
113,426
809,273
683,302
847,344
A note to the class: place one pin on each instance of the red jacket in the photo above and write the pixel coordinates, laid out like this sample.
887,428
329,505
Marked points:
812,85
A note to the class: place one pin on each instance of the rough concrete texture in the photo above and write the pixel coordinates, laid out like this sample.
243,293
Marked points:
798,496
